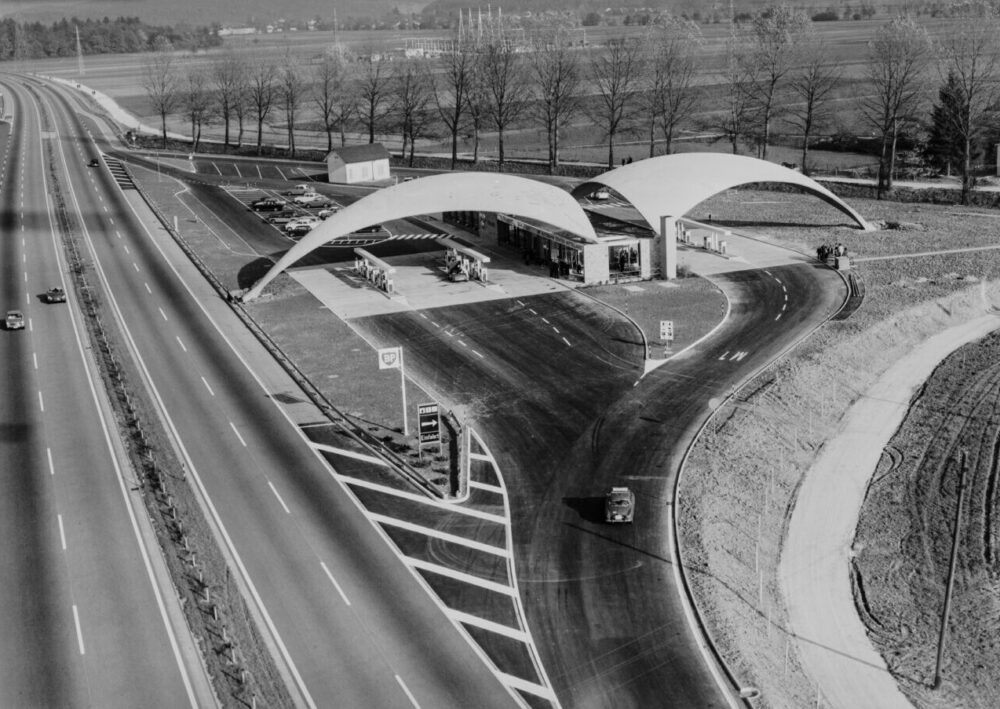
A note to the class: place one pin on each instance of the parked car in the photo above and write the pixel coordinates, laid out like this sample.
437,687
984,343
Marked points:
267,204
55,295
282,217
619,505
15,320
601,194
299,189
373,229
300,229
300,222
327,212
313,199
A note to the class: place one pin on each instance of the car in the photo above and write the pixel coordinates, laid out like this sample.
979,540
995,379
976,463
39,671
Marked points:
15,320
300,229
94,162
327,212
373,229
299,189
601,194
619,505
282,217
300,222
55,295
267,204
312,199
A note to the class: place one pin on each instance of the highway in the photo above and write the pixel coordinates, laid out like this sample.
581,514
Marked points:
350,625
83,620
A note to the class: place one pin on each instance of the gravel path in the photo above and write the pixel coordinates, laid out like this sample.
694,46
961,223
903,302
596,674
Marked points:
814,572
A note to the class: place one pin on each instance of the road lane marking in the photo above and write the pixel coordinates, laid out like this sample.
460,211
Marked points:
438,534
556,329
181,343
205,382
778,316
421,499
544,320
434,324
406,691
478,354
136,266
79,632
52,468
148,289
349,454
481,485
162,313
470,579
280,501
568,344
423,316
530,310
118,234
526,686
493,627
335,584
41,401
449,334
62,532
462,343
233,426
34,358
125,246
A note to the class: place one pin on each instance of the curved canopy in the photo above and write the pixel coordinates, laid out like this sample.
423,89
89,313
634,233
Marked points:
470,191
672,185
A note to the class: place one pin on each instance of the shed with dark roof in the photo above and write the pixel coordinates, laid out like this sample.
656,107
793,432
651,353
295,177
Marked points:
358,163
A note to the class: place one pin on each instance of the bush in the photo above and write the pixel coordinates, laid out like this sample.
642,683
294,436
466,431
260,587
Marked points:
825,16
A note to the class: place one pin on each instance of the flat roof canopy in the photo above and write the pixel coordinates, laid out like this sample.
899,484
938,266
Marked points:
468,191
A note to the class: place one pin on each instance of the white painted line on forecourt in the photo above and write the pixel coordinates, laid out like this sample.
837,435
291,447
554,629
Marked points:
348,454
486,486
413,497
335,584
499,629
462,576
438,534
406,690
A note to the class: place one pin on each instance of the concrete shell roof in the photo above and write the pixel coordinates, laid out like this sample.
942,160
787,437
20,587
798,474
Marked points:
469,191
672,185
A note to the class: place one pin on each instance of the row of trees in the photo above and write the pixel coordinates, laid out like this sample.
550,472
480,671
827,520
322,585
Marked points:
776,71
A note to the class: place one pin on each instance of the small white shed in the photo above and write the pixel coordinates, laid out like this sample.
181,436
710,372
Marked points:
358,163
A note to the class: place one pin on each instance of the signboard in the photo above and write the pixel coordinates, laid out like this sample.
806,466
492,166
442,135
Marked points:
429,423
667,330
389,358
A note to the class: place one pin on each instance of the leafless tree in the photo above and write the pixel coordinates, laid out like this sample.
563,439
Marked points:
261,93
502,71
969,53
452,86
291,89
161,83
373,91
557,74
477,107
412,99
898,56
670,96
327,91
774,38
241,106
811,85
616,73
227,74
196,100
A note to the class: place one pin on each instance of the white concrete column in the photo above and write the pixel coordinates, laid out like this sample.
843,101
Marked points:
668,247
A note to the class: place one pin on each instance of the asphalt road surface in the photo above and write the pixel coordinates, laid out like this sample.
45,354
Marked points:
81,621
349,623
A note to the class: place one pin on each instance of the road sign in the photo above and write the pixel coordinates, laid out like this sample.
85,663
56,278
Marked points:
667,330
389,358
429,426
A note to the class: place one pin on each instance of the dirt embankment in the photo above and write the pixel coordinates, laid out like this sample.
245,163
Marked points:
904,537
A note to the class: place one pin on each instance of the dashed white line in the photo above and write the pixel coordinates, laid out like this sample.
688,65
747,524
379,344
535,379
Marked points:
233,426
126,249
449,334
556,329
79,631
544,320
335,584
62,532
205,382
118,234
148,289
568,344
406,691
52,468
778,316
162,313
423,316
532,311
480,356
462,343
34,358
181,343
41,402
434,324
280,501
135,266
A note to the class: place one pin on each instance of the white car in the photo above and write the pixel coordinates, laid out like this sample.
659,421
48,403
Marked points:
300,189
312,199
327,213
299,223
601,194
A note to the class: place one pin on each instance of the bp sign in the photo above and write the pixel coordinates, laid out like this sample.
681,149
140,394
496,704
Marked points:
429,426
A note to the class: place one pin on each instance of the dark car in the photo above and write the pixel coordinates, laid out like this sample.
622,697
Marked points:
619,505
267,204
94,162
55,295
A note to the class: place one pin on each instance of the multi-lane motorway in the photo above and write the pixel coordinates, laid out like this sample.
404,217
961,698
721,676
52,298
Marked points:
347,622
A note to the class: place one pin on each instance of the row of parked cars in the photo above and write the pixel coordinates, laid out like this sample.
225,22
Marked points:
282,209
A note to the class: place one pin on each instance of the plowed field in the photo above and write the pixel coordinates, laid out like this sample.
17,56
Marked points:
905,533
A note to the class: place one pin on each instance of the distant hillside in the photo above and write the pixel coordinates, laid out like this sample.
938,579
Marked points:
200,12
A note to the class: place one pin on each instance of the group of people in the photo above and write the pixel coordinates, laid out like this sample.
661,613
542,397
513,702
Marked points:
825,251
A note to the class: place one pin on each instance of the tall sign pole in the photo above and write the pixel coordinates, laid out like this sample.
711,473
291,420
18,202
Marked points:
392,358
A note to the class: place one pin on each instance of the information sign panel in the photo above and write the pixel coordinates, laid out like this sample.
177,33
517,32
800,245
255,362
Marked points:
429,423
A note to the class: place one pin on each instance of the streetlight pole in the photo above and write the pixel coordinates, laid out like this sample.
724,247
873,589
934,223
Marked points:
951,572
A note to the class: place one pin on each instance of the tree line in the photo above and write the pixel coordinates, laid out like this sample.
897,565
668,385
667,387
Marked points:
776,73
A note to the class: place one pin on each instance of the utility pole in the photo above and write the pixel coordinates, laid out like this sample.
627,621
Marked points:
964,468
